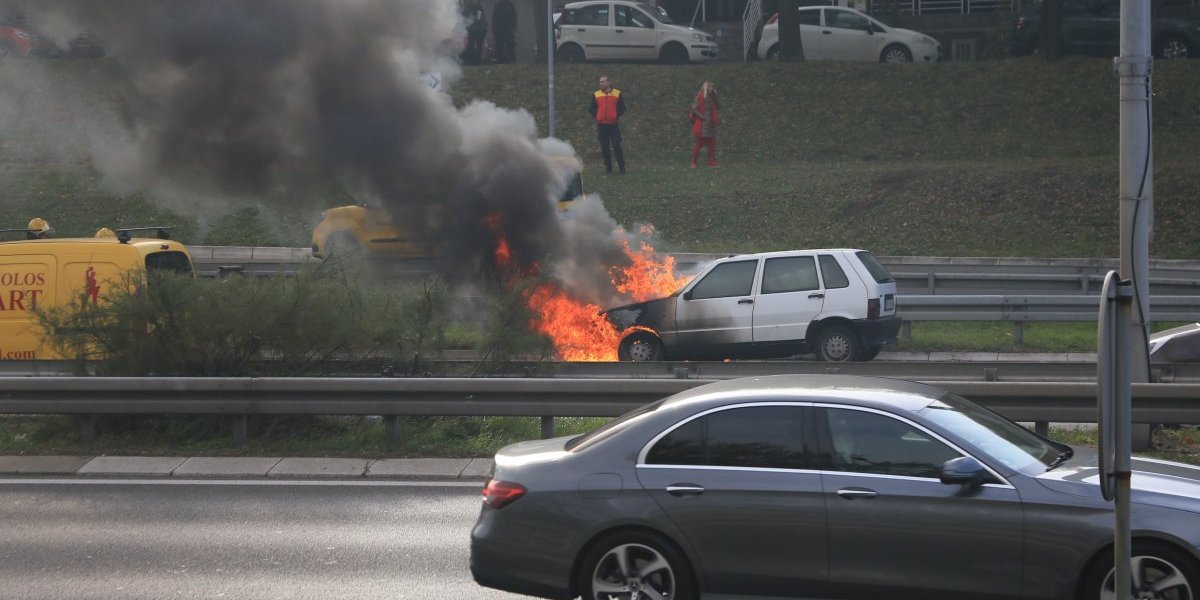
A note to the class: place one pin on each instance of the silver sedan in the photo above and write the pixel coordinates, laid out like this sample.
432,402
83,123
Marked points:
823,487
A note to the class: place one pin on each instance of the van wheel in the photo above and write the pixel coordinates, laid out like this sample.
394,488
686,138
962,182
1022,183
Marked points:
571,53
673,54
640,346
341,245
838,343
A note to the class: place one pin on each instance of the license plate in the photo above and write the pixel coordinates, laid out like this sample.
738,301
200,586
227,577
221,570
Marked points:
889,303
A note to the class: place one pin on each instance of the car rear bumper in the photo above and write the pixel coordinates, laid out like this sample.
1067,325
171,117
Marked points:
876,332
503,557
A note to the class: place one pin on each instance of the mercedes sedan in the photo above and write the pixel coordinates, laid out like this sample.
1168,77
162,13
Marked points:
824,487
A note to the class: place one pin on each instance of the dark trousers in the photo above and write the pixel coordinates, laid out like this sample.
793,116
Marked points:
506,47
611,134
473,53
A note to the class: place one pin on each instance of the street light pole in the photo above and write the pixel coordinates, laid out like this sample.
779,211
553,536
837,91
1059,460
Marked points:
550,62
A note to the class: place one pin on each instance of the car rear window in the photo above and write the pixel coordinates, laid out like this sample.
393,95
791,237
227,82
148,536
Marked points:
878,272
611,427
173,261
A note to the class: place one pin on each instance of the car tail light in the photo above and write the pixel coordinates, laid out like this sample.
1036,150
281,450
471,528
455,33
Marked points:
873,308
774,18
498,494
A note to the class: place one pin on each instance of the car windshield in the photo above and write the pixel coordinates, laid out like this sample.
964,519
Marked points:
657,12
1009,443
611,427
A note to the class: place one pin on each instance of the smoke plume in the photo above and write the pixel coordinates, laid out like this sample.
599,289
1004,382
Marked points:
230,96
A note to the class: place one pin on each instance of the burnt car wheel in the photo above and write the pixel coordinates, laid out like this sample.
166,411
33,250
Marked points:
838,343
1157,572
635,565
640,346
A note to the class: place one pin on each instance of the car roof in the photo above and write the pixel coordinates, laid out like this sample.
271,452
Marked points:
789,253
855,390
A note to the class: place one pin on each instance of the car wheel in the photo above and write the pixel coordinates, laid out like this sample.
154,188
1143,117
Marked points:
1157,571
571,53
640,346
895,54
341,245
635,565
870,353
673,54
838,343
773,53
1171,47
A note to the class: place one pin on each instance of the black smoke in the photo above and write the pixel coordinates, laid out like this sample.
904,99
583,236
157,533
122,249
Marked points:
231,96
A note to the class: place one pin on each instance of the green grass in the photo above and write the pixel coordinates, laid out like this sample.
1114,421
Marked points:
1170,443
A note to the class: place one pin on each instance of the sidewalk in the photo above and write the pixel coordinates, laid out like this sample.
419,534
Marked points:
236,467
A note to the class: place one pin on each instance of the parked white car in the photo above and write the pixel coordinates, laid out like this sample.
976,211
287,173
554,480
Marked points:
839,304
622,30
844,34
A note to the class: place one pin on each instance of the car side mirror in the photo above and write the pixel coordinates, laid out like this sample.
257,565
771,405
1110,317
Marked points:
687,295
964,470
870,29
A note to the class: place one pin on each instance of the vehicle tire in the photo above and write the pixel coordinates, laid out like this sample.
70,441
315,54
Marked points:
341,245
869,353
673,54
640,346
571,53
1172,47
838,343
895,54
648,561
1153,563
773,53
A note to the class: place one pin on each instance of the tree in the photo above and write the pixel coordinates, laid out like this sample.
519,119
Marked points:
1050,34
790,47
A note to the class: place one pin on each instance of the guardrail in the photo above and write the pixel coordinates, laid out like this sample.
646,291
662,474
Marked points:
546,398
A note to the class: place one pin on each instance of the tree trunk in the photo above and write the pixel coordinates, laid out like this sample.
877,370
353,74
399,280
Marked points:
1050,34
790,48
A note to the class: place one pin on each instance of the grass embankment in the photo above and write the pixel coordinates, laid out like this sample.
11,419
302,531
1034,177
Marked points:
994,158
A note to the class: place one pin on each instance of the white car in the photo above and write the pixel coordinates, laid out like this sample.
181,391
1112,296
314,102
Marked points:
844,34
839,304
622,30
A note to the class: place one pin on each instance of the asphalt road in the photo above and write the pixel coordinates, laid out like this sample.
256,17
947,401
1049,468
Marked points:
274,540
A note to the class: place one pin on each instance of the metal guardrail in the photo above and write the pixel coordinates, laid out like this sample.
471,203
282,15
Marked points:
546,398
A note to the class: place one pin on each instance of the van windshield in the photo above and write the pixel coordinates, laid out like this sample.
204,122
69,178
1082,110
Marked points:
875,268
172,261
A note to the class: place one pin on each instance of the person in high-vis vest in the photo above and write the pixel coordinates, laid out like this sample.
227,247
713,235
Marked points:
607,107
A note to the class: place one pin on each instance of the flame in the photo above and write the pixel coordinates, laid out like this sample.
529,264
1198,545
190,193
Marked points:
577,329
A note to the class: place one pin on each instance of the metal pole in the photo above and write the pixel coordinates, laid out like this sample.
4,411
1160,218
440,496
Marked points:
1134,67
550,50
1122,435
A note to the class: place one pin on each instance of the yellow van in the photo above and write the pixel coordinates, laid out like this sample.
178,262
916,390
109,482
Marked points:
41,271
348,229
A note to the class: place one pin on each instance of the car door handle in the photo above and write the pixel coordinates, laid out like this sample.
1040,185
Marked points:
684,490
852,493
620,31
582,31
816,295
827,32
746,301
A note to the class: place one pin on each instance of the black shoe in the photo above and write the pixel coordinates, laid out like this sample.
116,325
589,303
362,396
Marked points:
608,170
622,170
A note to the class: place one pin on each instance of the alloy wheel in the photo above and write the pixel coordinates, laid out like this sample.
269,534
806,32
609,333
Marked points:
633,572
1152,578
1174,49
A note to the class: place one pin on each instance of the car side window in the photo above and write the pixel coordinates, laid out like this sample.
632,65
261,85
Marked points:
726,280
810,17
569,17
628,16
867,442
835,276
789,274
596,14
845,20
765,437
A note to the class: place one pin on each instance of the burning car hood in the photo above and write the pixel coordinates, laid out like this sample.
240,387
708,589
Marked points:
1155,482
649,313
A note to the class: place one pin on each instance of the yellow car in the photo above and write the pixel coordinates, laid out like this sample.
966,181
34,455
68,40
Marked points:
370,229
